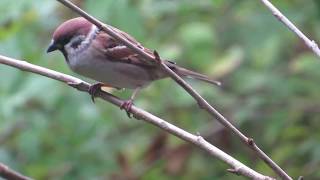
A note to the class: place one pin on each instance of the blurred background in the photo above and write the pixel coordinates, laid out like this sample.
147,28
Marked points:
270,90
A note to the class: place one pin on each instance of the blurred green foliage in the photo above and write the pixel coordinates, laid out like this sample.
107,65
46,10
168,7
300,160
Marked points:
270,91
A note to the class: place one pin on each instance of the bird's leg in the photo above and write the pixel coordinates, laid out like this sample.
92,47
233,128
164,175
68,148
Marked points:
126,105
94,88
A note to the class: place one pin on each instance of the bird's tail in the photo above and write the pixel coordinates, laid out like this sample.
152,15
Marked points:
193,75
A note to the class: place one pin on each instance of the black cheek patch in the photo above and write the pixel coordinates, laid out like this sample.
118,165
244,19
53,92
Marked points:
75,44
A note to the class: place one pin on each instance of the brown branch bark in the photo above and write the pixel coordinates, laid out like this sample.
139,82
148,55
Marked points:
7,173
249,142
236,166
311,44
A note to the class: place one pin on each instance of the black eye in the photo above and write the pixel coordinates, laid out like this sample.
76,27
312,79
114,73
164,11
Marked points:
75,42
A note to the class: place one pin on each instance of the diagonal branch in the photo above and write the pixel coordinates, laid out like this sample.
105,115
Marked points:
8,173
202,102
311,44
236,166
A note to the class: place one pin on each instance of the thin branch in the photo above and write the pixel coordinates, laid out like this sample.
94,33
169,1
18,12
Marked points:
202,102
311,44
138,113
7,173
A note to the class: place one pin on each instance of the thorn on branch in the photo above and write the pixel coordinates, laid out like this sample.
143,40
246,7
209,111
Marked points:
201,105
234,171
250,141
277,16
156,56
164,125
79,85
199,139
73,84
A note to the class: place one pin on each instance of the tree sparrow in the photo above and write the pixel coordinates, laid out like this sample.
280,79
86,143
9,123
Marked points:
96,55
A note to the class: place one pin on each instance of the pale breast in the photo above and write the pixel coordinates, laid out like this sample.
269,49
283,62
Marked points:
112,73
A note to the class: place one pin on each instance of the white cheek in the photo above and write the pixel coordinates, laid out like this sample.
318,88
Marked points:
77,60
80,53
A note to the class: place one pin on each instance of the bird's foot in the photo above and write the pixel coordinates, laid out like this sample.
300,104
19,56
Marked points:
93,89
126,105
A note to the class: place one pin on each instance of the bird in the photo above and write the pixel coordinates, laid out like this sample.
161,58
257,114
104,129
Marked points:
93,53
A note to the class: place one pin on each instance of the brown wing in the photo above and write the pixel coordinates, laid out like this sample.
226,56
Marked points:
115,51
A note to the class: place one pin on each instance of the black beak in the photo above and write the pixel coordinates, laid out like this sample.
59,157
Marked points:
52,47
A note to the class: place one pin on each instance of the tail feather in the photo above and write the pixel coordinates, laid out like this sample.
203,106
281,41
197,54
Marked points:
193,75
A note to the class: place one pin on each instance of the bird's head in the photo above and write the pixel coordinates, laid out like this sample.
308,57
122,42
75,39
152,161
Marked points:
71,32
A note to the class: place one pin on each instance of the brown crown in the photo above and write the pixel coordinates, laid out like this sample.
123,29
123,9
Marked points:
70,28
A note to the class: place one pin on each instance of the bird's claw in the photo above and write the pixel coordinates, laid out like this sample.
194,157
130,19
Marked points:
126,105
93,90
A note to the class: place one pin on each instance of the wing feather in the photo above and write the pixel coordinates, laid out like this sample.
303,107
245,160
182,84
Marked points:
115,51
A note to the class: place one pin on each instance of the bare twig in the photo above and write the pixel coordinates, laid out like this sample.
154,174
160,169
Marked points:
7,173
139,114
310,43
202,102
